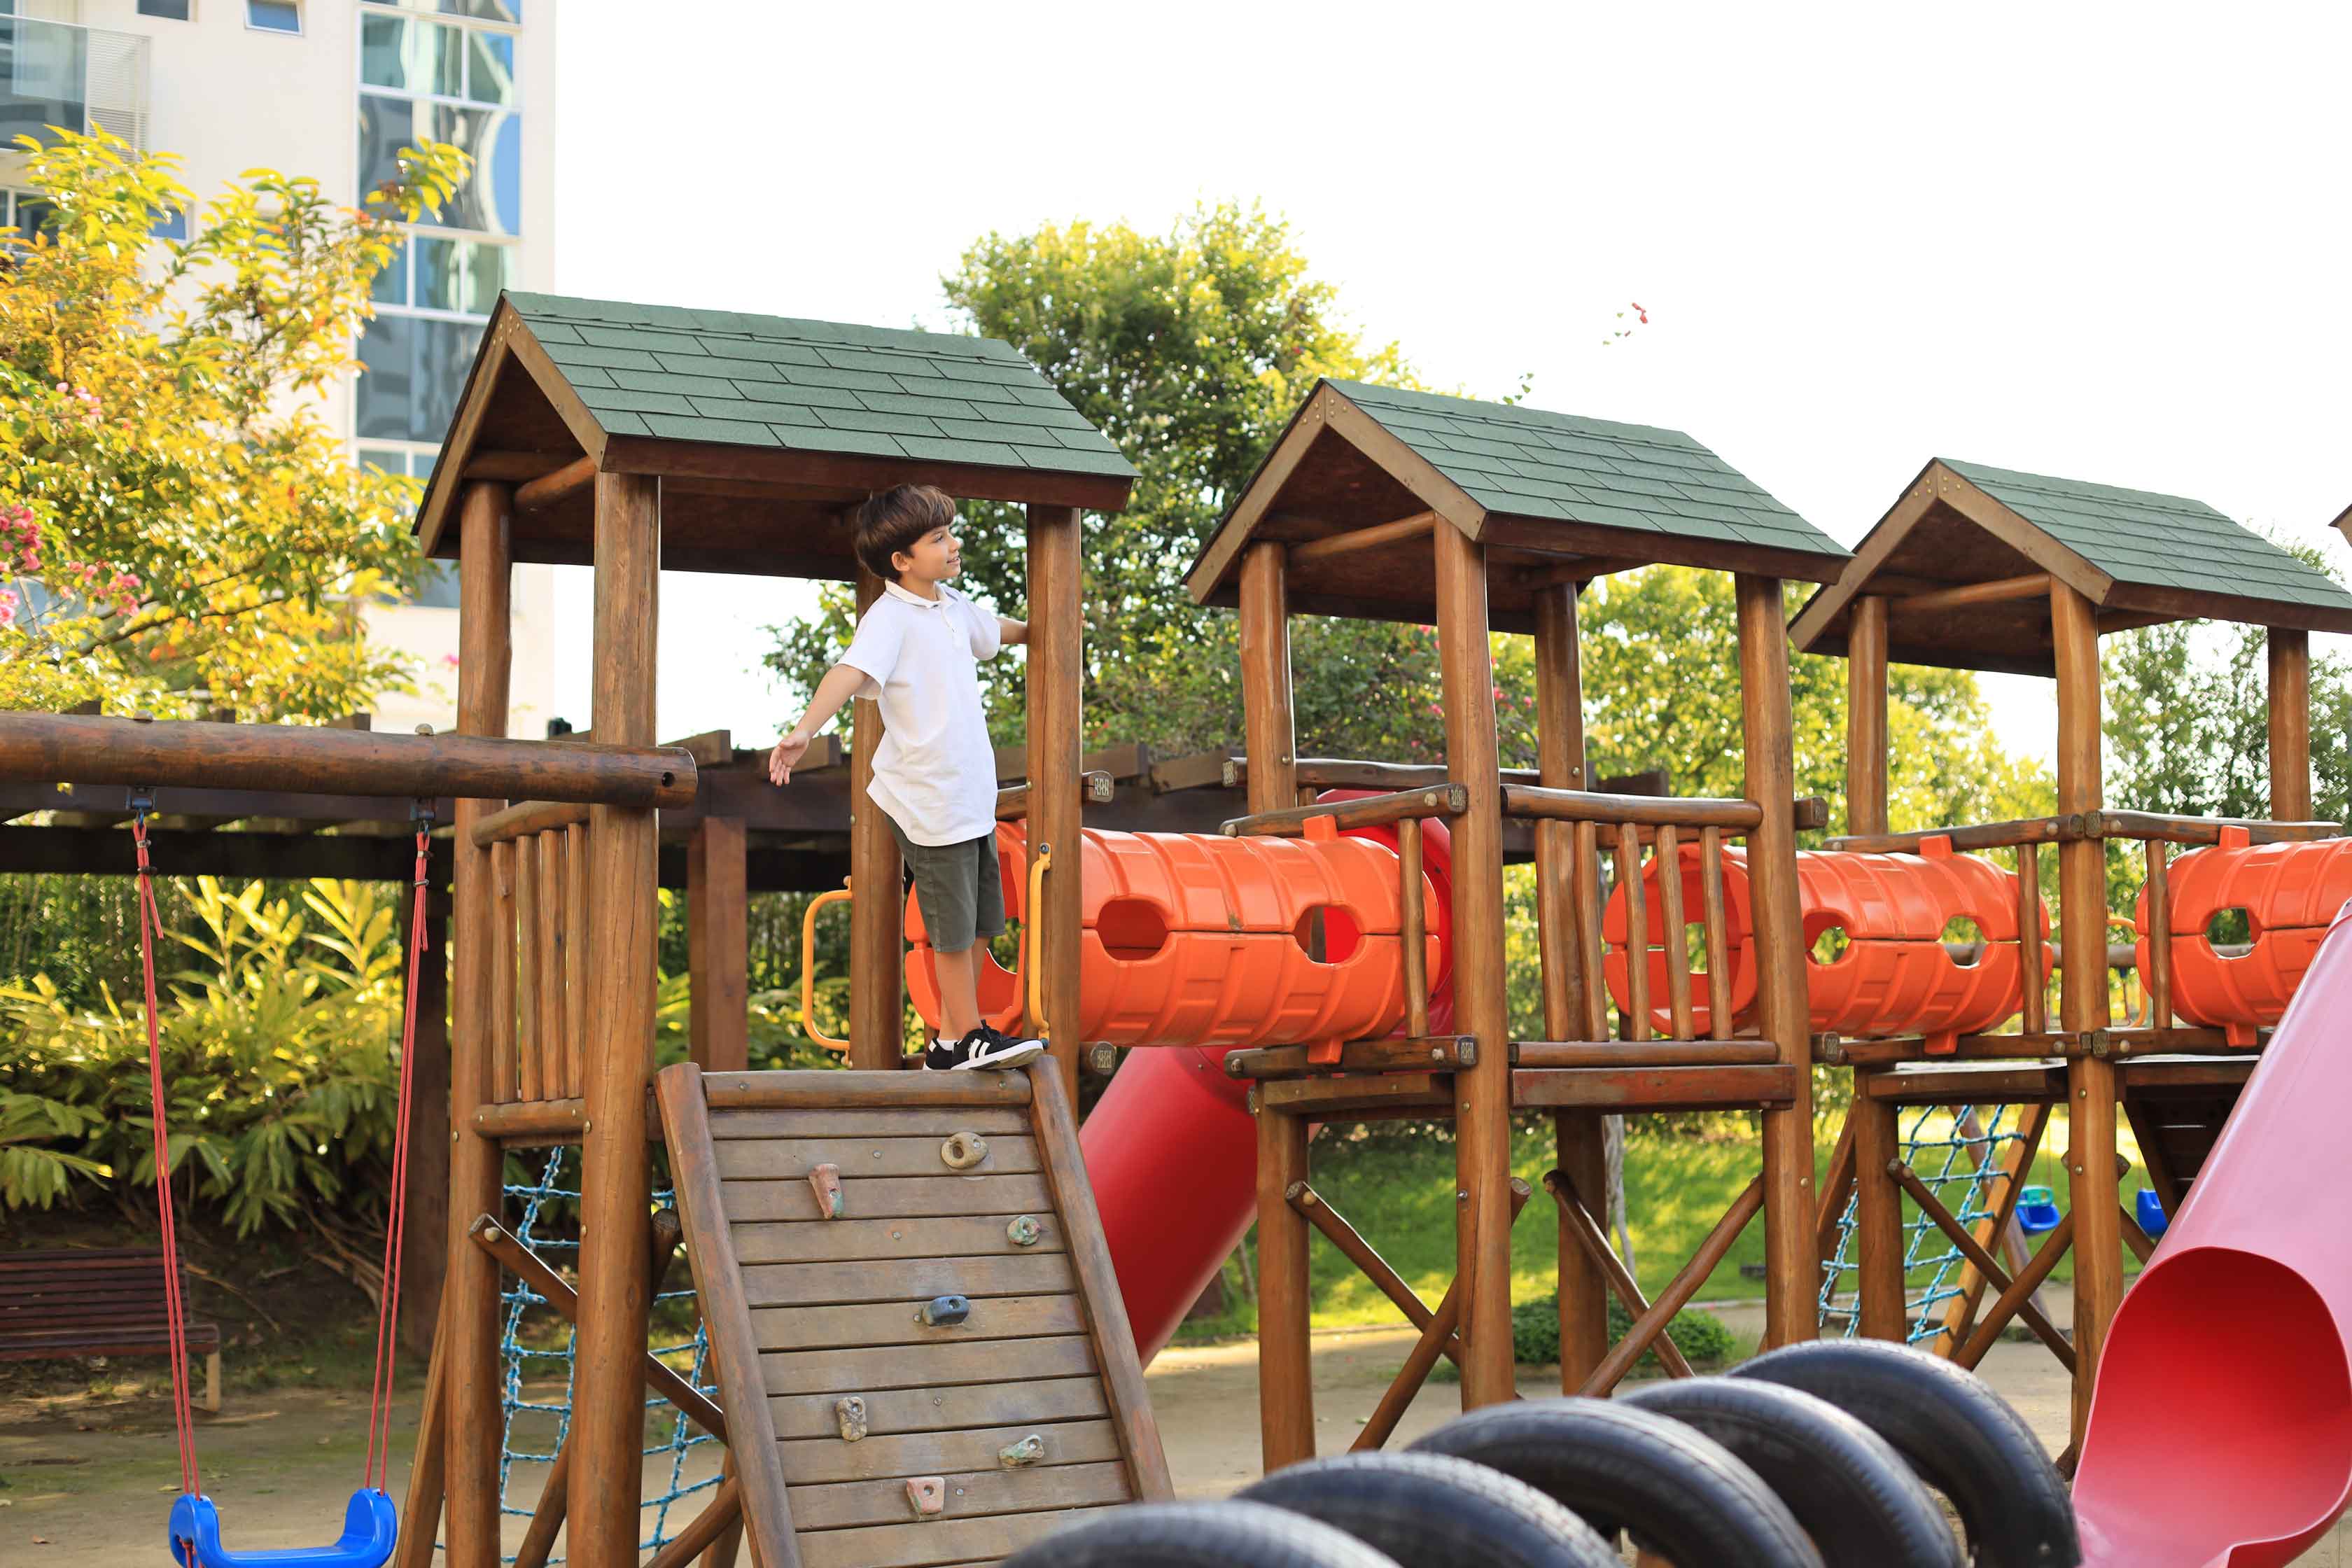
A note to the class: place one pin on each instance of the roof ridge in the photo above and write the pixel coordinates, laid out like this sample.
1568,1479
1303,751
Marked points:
1508,414
578,307
2088,486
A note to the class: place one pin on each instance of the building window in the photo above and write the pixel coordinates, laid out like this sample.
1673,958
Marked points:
168,10
274,15
24,212
172,224
438,591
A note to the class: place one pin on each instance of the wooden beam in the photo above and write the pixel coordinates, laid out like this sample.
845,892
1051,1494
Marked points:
876,949
1579,1136
1482,1094
562,485
1417,526
1443,801
1651,1324
2290,724
1865,716
1645,1089
100,751
470,1325
2091,1086
718,908
425,1238
1056,680
1577,805
1970,595
607,1410
1792,1271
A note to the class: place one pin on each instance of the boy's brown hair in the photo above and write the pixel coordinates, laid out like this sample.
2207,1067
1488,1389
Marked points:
891,521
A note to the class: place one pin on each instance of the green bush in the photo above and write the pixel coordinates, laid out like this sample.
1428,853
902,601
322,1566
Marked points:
278,1050
1700,1335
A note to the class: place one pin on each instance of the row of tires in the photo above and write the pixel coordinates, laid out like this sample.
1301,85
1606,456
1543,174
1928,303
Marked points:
1825,1455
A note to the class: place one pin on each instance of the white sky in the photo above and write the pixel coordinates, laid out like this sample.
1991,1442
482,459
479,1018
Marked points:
2102,242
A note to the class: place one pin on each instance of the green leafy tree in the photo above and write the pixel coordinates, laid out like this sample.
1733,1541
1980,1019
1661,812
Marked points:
2188,723
175,517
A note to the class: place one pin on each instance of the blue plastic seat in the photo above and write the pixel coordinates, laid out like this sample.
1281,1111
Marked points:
2149,1209
2037,1211
371,1525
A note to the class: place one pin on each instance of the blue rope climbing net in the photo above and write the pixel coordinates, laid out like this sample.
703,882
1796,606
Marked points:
1962,1165
535,1349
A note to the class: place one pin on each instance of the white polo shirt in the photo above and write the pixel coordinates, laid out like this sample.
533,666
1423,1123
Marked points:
935,771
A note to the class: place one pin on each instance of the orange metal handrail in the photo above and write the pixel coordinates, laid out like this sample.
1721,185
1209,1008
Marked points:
808,966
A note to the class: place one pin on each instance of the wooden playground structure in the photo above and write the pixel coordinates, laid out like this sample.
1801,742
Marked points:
1386,504
1985,569
916,1332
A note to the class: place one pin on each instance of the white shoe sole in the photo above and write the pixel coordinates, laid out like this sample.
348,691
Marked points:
1013,1057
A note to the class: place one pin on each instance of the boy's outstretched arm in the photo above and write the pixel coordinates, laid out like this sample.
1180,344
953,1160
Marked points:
1010,630
839,685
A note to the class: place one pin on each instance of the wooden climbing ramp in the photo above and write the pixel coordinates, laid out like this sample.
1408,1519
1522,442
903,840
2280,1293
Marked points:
919,1341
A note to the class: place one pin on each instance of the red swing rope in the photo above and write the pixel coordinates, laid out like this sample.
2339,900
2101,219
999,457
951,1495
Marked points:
379,1461
378,1470
150,924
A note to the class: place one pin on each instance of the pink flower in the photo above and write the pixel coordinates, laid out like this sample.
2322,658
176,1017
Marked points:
7,607
450,659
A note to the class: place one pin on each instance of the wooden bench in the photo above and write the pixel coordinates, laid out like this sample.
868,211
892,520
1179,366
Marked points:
78,1301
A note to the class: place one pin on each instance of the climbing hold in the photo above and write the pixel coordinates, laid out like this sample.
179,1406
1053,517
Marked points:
943,1311
927,1495
1030,1450
1024,1230
826,1182
964,1151
849,1416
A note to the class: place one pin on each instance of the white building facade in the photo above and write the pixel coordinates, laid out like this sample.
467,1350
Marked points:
333,90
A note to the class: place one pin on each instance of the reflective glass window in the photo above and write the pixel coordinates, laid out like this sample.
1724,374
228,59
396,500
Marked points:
415,372
274,15
461,273
489,68
412,57
170,10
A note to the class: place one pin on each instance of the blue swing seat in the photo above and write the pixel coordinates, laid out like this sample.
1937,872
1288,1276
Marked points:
371,1525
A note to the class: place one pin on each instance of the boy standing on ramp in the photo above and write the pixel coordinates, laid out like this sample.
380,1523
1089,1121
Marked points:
917,653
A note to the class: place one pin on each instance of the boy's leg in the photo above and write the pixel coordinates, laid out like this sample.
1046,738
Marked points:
959,991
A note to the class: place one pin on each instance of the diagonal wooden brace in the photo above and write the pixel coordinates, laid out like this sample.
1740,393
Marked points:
547,1517
1652,1325
1382,1423
2020,1290
1979,1258
1620,1283
1319,1214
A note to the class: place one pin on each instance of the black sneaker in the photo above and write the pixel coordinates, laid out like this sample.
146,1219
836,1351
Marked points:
944,1055
988,1047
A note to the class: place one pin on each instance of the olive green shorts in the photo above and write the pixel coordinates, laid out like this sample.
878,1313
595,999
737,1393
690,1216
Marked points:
957,888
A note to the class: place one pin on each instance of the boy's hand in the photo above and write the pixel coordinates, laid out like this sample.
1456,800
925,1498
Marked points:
788,753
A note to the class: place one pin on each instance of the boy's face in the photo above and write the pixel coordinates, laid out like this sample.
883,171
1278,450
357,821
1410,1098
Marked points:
935,557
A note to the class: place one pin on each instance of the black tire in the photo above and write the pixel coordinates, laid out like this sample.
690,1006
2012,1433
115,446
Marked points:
1847,1486
1430,1511
1952,1429
1199,1535
1677,1493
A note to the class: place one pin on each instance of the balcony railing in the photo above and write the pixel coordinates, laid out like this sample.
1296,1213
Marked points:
82,79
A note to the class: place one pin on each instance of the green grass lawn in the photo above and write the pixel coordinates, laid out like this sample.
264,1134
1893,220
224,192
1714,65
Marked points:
1399,1194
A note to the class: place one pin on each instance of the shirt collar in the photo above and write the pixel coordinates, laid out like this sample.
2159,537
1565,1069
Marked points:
916,599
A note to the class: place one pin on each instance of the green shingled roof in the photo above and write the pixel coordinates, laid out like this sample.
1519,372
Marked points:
1528,463
2167,541
723,378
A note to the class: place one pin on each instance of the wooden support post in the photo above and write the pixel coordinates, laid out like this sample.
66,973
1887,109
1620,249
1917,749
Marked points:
1883,1312
876,952
1582,1141
719,954
1482,1094
1792,1271
1057,673
2083,995
424,1251
1865,716
1286,1384
2290,726
1286,1381
428,1475
470,1323
607,1409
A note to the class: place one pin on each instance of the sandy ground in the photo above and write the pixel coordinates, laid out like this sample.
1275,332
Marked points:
85,1486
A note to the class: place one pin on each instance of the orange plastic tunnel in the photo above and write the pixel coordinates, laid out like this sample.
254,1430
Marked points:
1893,975
2288,894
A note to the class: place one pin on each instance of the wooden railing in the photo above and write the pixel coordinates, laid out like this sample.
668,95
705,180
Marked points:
538,971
